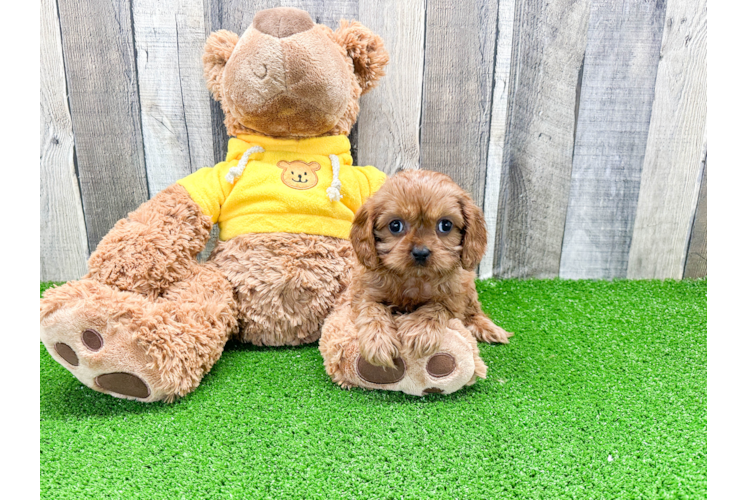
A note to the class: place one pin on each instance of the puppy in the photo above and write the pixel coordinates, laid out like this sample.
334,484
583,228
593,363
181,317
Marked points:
418,240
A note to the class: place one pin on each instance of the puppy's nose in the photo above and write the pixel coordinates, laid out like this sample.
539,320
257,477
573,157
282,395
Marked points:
282,22
420,254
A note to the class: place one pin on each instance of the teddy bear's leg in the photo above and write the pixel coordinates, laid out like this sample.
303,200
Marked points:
130,346
456,364
285,284
147,321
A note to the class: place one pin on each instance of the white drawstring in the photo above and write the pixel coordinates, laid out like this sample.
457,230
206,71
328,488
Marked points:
235,172
333,192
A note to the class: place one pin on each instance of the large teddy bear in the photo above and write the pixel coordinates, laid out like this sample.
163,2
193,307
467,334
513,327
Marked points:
148,321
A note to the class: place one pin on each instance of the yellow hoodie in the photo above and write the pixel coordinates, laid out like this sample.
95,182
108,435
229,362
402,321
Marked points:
284,186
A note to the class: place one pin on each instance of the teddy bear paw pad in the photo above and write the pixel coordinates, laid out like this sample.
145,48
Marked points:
432,390
92,339
125,384
440,365
67,353
380,374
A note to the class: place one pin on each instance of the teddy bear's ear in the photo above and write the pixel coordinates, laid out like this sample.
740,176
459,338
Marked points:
283,164
367,51
217,51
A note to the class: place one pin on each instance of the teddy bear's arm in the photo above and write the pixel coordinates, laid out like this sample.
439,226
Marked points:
154,246
209,188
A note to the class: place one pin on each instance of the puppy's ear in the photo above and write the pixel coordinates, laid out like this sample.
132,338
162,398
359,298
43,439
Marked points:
217,51
367,51
474,234
362,237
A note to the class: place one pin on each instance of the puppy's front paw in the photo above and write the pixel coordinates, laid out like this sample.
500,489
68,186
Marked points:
377,347
421,338
485,330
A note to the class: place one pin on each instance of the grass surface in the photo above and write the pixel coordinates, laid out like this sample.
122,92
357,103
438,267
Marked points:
601,394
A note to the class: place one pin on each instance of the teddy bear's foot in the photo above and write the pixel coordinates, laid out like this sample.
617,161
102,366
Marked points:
122,344
456,363
102,353
445,372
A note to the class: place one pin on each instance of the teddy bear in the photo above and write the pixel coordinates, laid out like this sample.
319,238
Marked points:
148,321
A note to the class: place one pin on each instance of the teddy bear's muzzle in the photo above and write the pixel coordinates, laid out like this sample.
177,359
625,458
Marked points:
282,22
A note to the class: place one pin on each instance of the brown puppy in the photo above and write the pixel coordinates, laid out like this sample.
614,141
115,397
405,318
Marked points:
418,241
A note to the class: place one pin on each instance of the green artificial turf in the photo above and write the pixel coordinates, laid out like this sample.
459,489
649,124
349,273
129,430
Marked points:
601,394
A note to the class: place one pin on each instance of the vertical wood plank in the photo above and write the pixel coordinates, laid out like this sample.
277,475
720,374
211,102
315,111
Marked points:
63,242
174,101
237,15
672,162
549,44
620,67
497,137
696,257
102,84
388,122
458,77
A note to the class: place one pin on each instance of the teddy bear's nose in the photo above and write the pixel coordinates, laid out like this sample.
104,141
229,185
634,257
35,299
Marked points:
282,22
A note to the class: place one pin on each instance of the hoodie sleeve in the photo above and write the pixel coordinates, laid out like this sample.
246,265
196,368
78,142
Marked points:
374,180
209,188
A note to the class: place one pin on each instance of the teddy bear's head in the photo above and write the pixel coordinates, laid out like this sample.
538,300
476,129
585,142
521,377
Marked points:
289,77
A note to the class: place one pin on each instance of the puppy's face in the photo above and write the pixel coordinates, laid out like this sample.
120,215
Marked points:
419,223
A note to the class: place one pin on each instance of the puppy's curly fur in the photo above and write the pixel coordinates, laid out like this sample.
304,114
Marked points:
418,241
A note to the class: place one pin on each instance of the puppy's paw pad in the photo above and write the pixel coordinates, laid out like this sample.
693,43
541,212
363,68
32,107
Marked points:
440,365
379,374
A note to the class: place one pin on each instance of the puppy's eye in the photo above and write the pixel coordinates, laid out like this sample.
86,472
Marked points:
291,172
397,226
444,226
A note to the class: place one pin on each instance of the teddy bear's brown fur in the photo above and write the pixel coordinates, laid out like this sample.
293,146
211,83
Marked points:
148,321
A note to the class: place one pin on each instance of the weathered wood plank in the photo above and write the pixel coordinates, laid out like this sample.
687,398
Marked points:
458,77
237,15
549,43
672,163
101,80
174,101
497,137
620,67
696,257
63,242
388,122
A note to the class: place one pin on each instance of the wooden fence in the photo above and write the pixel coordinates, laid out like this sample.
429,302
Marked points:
578,125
